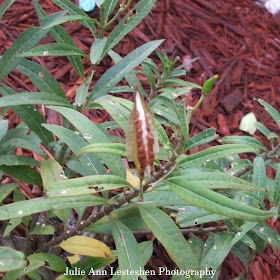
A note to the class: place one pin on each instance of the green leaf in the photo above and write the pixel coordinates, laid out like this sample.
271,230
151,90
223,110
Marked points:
72,9
90,163
201,138
86,185
246,140
54,49
276,191
208,85
219,180
170,237
50,24
214,153
96,50
110,148
184,121
40,77
109,7
11,259
119,113
129,255
162,136
82,91
140,10
28,142
129,216
267,234
271,111
13,160
32,98
23,173
51,172
93,134
32,118
215,202
27,40
263,129
42,229
191,216
16,274
99,3
55,263
61,36
5,190
259,176
41,204
117,72
5,6
3,127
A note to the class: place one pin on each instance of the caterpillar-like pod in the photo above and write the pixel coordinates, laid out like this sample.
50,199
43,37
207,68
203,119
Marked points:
141,138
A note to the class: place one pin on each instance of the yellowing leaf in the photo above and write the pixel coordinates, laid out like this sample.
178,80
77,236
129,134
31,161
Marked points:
132,179
87,246
73,259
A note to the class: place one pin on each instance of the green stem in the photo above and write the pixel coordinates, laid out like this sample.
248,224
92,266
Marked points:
141,192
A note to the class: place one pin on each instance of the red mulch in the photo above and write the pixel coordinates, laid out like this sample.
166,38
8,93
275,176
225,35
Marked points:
233,38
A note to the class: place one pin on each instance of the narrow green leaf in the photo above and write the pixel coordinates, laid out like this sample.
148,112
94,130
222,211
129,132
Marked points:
41,204
67,19
3,127
54,49
129,216
11,259
32,118
276,190
96,50
32,98
42,229
110,5
93,134
14,160
263,129
16,274
129,255
184,124
169,236
51,172
110,148
140,10
267,234
201,138
55,263
246,140
219,180
61,36
215,202
23,173
27,40
5,190
162,136
214,153
40,77
117,72
90,163
72,9
271,111
5,6
192,216
86,185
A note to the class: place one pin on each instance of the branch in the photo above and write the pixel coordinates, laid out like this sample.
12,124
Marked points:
109,208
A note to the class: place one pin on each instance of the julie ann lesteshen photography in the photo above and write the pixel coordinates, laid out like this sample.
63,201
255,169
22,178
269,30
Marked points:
161,271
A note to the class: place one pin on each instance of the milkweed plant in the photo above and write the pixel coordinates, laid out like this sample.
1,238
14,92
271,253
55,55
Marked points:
96,191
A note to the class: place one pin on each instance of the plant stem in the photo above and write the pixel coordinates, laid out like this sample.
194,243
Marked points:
109,208
28,240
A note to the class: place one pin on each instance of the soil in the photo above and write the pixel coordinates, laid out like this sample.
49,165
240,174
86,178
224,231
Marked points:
236,39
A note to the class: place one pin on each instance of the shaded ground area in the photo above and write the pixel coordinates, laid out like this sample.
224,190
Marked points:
233,38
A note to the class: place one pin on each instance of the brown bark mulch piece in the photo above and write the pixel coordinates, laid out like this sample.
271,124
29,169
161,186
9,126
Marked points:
235,39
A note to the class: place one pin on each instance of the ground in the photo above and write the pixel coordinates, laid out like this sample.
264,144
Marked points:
236,39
